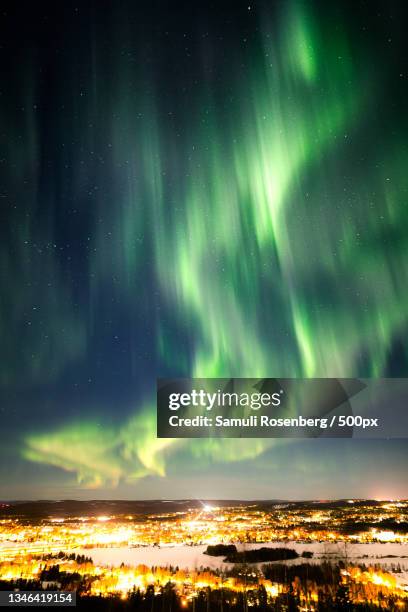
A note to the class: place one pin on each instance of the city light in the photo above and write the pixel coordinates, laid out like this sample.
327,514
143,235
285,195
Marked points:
30,549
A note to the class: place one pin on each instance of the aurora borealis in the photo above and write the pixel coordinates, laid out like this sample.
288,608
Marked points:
213,190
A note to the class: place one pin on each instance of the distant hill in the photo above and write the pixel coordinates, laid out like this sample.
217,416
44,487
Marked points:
74,508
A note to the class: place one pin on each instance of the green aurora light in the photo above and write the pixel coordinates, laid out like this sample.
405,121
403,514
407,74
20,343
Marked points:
270,262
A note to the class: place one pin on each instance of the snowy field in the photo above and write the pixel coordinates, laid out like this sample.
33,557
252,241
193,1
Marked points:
193,557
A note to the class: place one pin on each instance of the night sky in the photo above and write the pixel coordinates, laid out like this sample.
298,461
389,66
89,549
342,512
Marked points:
204,189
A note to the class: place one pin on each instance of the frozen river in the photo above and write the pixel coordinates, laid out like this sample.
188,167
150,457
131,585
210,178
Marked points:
193,557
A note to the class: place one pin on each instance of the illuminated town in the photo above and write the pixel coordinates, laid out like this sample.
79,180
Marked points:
353,547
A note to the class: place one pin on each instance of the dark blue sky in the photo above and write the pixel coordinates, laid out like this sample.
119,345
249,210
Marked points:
214,189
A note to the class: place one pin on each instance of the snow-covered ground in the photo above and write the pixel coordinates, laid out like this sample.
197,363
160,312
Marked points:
192,557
